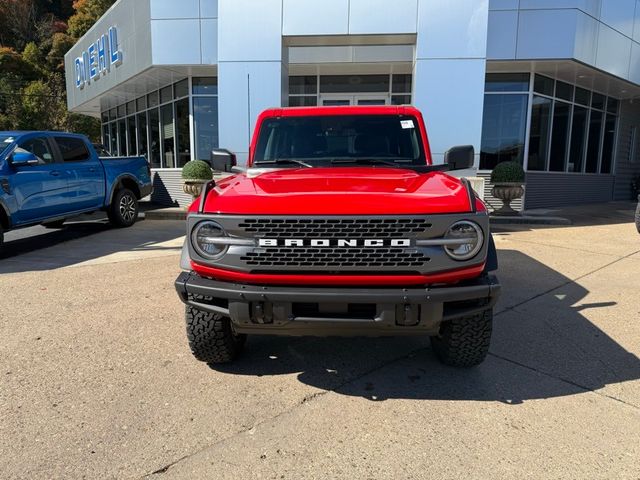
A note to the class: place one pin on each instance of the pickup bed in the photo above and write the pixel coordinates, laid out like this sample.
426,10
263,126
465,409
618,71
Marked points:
48,177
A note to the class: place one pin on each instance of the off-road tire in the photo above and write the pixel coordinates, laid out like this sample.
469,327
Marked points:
211,337
123,211
638,215
54,225
1,236
464,342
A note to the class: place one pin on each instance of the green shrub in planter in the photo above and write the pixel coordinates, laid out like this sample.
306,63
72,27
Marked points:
197,170
507,172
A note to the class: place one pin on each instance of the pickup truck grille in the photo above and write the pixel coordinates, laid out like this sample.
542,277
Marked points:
335,228
336,258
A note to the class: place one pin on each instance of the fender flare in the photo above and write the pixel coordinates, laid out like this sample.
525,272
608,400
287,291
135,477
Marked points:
492,256
117,182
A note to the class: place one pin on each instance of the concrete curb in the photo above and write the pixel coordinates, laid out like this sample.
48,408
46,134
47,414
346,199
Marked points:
172,213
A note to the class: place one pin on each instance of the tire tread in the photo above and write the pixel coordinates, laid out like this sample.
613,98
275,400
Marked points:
464,342
211,337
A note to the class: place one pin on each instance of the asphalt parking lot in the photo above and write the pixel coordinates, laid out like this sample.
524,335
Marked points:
96,379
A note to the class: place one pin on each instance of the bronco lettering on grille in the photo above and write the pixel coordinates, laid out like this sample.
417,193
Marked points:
321,242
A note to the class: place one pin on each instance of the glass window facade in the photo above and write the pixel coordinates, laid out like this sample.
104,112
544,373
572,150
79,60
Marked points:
159,125
571,129
304,90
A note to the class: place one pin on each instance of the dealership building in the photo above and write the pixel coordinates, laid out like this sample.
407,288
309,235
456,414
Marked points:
552,84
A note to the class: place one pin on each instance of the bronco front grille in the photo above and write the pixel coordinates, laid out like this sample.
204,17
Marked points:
335,228
338,258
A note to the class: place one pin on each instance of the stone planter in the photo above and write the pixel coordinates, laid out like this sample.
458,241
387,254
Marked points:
507,192
194,187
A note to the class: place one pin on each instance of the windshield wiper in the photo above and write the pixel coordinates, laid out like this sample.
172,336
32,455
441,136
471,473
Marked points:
366,161
283,161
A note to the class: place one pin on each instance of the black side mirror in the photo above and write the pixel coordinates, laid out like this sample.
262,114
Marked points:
222,160
23,159
460,158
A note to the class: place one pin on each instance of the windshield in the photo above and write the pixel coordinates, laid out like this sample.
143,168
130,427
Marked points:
386,140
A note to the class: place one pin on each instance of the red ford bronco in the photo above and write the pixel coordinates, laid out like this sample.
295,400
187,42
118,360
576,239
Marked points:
340,225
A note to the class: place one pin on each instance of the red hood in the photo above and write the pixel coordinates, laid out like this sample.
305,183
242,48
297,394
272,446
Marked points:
339,191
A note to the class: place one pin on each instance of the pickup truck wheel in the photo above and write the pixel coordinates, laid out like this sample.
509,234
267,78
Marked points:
123,211
211,338
638,215
464,342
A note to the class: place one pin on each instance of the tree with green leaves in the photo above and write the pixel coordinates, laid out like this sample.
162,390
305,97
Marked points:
35,35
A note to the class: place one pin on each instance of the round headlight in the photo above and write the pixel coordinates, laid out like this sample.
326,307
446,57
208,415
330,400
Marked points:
204,238
466,240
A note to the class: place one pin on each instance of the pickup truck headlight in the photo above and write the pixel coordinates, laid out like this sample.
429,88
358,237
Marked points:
205,239
465,240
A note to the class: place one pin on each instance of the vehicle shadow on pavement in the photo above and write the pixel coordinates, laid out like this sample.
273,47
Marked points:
82,240
543,346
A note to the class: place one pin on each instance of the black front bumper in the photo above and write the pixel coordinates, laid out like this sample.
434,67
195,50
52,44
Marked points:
337,311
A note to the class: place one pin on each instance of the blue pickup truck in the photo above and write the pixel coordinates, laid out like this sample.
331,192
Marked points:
48,177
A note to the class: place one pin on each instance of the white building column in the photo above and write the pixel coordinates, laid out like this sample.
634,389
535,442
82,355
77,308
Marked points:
449,72
252,68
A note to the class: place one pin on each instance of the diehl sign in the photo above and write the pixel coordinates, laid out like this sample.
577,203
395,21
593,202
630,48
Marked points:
98,59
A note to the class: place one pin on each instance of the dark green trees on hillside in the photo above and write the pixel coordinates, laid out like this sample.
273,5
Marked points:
34,37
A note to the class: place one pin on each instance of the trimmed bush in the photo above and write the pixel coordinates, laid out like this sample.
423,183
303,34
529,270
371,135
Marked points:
507,172
197,170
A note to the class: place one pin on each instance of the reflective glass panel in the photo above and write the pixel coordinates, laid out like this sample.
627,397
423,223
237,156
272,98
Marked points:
303,85
205,124
559,136
543,85
166,94
507,82
168,136
354,83
539,137
402,83
583,96
503,130
564,91
609,142
593,147
578,135
153,100
308,101
597,101
113,146
133,136
182,88
143,142
401,100
122,138
154,138
182,133
205,86
612,105
141,104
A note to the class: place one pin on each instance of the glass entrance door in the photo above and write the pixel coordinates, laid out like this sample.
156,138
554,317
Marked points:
358,99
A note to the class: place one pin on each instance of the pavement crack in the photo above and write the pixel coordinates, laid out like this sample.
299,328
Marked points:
565,380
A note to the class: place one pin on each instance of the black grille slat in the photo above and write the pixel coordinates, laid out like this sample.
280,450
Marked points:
336,228
316,257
